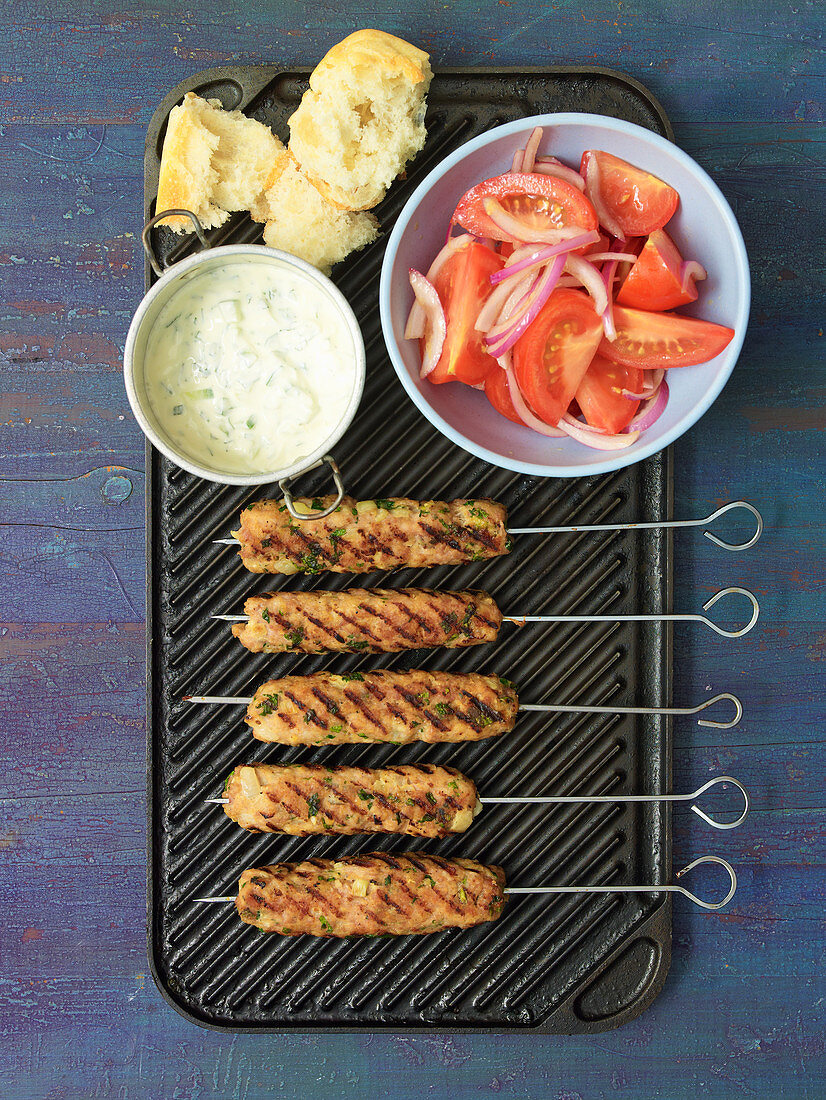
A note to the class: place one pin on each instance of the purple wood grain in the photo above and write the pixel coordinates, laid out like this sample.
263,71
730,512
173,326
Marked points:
742,1011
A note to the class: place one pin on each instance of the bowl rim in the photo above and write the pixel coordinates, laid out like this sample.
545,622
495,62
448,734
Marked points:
613,460
258,251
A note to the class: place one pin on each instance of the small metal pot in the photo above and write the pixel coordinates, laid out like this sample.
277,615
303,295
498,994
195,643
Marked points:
145,316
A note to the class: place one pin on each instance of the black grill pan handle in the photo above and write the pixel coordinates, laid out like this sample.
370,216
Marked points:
147,230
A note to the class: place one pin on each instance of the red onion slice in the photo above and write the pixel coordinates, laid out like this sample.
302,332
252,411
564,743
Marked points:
518,231
581,434
592,429
435,324
650,383
592,182
454,244
531,147
526,315
608,326
515,301
521,252
493,307
516,163
416,320
590,278
531,256
520,404
504,335
550,166
653,382
604,257
691,270
652,410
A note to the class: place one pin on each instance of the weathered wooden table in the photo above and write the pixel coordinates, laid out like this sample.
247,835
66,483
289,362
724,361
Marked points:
742,1011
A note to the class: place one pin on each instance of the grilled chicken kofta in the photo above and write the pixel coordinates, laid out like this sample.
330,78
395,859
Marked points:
325,708
363,535
376,620
370,895
308,799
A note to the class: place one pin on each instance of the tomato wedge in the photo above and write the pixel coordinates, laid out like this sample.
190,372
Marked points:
463,285
553,354
650,340
637,201
539,202
499,395
655,281
600,395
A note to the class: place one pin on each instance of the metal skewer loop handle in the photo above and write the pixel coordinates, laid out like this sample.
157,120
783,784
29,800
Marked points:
660,889
665,525
575,799
520,620
572,708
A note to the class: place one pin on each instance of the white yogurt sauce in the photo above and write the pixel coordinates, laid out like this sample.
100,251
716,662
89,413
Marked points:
249,367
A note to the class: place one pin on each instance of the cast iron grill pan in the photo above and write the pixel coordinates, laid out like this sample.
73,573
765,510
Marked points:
566,964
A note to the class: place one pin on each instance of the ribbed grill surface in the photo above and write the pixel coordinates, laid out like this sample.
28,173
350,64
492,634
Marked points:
528,969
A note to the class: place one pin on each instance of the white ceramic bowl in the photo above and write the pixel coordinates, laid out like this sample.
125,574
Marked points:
703,228
160,294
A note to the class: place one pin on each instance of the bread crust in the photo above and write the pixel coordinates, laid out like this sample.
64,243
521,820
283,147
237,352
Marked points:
177,185
370,48
213,162
347,69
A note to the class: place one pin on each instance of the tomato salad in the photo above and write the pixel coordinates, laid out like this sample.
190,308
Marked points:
556,298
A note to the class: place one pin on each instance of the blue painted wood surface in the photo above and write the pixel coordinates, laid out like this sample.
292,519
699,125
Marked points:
742,1011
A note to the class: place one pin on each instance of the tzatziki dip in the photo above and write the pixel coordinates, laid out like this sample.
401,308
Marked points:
249,367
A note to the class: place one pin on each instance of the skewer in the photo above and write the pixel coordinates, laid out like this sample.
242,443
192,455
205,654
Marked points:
664,889
665,525
680,618
714,822
520,620
553,708
544,800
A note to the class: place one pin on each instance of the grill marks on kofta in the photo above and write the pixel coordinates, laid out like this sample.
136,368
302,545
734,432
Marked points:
382,705
362,536
372,894
311,799
376,620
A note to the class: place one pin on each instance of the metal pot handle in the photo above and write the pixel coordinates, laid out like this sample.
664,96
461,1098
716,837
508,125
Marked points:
147,243
283,485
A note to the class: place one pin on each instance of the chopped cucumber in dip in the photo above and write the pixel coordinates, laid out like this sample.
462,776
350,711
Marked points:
249,367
